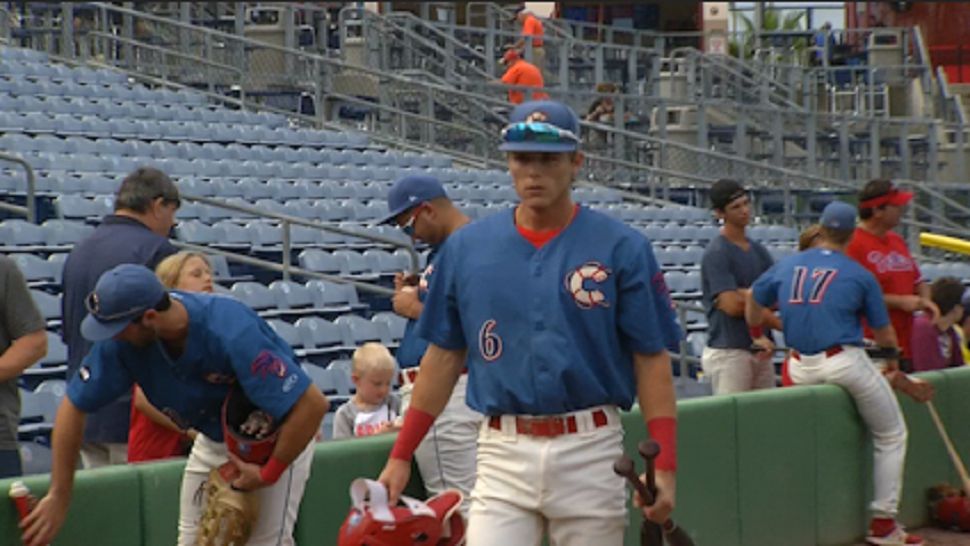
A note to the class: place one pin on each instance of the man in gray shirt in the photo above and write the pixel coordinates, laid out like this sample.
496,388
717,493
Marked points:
731,263
23,342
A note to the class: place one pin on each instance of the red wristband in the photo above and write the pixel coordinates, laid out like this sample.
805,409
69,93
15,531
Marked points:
664,431
756,331
272,470
416,425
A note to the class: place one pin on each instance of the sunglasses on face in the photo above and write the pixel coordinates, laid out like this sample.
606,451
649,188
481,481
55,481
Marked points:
408,227
537,132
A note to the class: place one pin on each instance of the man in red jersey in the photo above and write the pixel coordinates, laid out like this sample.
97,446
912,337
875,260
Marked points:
885,254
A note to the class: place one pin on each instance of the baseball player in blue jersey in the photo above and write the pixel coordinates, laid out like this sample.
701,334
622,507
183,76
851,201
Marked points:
187,351
562,317
419,205
822,294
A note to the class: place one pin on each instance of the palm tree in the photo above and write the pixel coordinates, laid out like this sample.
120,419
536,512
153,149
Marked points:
771,21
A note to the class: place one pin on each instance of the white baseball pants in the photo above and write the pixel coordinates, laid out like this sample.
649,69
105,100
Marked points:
446,456
528,486
874,398
279,503
736,370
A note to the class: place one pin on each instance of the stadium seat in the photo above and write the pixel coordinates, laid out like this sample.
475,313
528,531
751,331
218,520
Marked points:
49,307
395,324
35,458
332,296
363,330
36,270
257,296
322,337
37,411
290,334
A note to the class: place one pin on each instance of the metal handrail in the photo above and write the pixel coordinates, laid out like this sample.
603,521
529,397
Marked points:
30,211
287,220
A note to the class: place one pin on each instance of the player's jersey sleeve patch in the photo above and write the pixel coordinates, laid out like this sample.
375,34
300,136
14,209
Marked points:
267,364
581,284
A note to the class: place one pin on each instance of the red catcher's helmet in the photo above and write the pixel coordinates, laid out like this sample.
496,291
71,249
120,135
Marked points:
371,522
953,513
236,409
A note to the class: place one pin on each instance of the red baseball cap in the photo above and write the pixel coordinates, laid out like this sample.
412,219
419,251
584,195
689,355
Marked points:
892,196
510,55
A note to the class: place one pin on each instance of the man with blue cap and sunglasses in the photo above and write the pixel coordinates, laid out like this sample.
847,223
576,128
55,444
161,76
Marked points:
187,351
822,295
419,205
562,318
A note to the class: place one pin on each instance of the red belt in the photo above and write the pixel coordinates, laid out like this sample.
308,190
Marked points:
831,351
410,374
548,427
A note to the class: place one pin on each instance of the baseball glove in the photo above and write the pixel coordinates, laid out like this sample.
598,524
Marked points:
229,513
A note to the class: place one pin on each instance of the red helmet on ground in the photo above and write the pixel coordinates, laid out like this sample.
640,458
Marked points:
371,522
949,508
249,432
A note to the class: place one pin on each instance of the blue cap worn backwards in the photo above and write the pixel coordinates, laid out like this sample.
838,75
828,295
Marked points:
121,295
838,215
409,192
541,126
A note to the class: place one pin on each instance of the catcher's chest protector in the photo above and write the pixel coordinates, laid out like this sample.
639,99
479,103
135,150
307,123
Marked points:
371,522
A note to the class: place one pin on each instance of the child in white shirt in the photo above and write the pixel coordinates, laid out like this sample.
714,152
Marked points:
373,409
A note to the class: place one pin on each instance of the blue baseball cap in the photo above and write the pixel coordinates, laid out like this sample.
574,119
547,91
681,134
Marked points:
838,215
409,192
121,295
541,126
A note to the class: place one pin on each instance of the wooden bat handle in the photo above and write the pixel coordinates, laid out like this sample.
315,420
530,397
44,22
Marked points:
951,451
623,466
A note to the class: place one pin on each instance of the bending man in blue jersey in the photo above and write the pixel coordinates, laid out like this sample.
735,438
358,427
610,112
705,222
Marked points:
186,350
562,317
822,295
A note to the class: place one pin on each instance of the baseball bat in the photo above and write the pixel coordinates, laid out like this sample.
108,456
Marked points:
649,449
951,451
650,532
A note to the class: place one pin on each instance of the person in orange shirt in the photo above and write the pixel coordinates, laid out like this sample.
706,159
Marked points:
522,73
531,27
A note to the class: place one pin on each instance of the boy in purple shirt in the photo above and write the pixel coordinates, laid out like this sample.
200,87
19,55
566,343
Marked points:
935,343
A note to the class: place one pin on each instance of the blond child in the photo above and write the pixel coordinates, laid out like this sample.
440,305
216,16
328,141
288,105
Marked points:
373,409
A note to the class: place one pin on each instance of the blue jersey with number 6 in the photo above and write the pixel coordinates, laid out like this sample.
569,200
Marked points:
821,295
554,329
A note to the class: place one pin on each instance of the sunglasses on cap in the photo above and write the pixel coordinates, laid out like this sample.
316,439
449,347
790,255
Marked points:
537,132
93,305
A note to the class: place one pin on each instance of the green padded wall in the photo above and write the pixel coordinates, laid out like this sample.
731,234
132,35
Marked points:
160,485
776,466
789,466
843,467
105,509
926,460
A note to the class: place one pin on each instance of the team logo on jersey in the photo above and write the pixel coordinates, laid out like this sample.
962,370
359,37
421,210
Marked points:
268,364
893,261
85,373
580,284
538,116
489,342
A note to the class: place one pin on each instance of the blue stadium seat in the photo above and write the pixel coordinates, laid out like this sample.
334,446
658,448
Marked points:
36,458
36,270
324,262
37,411
21,236
363,330
322,337
335,297
49,306
334,384
290,334
255,295
395,324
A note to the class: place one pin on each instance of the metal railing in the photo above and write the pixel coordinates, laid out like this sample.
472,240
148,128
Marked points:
30,210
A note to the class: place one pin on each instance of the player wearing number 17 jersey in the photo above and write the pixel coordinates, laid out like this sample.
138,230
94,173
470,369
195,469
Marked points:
563,318
822,294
